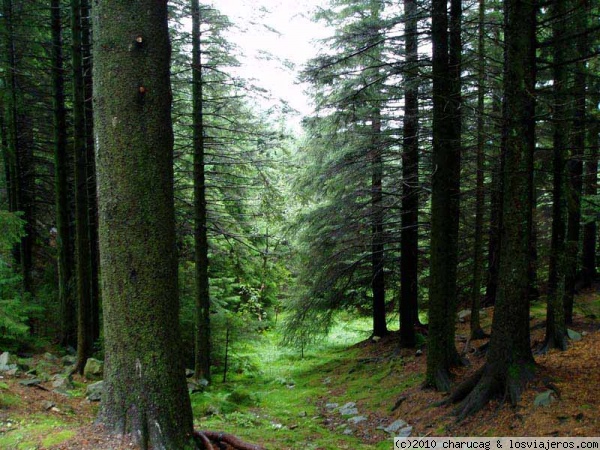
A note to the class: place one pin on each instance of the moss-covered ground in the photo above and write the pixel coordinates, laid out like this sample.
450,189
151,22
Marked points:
277,396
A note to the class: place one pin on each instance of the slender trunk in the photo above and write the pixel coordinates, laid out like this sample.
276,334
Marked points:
202,344
476,331
591,190
86,46
409,252
556,332
145,388
61,187
82,239
377,245
575,163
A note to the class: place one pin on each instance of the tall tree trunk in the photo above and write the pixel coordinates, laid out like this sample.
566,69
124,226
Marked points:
575,163
377,244
86,47
409,251
82,237
476,331
591,190
556,332
146,393
509,363
202,344
442,354
64,243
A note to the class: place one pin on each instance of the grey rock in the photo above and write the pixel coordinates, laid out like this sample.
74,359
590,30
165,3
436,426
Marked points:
405,432
302,414
32,382
419,352
348,432
395,426
203,382
94,391
357,419
62,383
189,373
7,362
94,369
331,406
544,399
11,372
349,409
68,360
48,405
50,357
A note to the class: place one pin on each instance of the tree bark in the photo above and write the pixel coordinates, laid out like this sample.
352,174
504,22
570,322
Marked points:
146,392
64,242
442,354
202,345
409,251
82,232
556,331
591,190
475,324
510,364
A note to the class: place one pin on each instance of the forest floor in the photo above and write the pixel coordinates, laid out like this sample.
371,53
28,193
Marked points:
282,401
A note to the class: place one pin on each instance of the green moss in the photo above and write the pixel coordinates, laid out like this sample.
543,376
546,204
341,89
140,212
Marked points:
9,400
57,438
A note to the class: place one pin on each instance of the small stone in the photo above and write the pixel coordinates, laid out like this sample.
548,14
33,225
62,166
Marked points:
94,391
395,426
331,406
189,373
55,409
68,360
62,383
348,432
357,419
32,382
405,432
376,339
94,369
47,405
327,380
419,352
302,414
349,409
50,357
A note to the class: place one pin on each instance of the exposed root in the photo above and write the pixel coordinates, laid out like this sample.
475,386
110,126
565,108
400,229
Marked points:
210,439
441,381
463,389
480,394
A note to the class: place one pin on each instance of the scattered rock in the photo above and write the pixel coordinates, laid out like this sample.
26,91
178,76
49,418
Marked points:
419,352
48,405
68,360
376,339
94,369
50,357
349,409
31,382
405,432
348,432
302,414
395,426
331,406
7,362
573,335
327,380
62,383
189,373
11,372
544,399
357,419
94,391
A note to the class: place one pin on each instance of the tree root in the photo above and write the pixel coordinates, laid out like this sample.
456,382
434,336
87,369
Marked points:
212,440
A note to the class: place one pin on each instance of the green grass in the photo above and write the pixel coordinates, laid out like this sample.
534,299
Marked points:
35,430
278,404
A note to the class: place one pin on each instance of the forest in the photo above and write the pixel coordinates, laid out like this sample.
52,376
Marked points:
183,266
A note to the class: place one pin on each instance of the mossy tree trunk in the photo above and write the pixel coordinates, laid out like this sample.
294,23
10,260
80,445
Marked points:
409,251
202,335
441,351
64,242
510,364
556,332
146,392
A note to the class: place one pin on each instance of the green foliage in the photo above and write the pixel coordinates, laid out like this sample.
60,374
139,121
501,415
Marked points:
14,307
